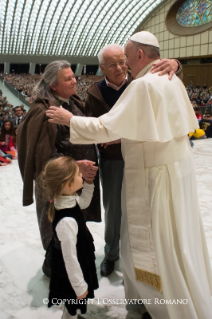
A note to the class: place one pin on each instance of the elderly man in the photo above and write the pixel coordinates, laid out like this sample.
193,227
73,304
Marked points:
38,141
163,245
100,99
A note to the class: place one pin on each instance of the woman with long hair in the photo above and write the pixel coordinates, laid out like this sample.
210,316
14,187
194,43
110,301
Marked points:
12,144
38,141
6,133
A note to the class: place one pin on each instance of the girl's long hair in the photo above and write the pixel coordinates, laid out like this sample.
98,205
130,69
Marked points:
56,173
4,131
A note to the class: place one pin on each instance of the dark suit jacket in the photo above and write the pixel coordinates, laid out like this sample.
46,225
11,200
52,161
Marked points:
15,120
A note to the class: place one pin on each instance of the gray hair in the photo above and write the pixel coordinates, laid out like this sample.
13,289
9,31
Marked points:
108,46
43,90
151,51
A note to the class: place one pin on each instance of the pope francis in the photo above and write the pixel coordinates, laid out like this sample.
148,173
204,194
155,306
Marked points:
163,246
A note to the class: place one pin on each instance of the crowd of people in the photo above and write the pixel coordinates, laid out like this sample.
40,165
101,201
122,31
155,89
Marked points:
200,97
84,83
10,118
9,111
24,83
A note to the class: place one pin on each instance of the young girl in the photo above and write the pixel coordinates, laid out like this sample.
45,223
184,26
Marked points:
6,132
73,271
12,143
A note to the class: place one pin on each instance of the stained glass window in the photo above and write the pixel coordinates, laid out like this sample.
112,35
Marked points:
194,13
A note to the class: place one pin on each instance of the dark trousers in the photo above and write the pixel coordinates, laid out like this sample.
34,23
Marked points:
111,175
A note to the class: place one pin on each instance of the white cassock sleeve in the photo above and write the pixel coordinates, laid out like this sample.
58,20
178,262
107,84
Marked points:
89,130
142,113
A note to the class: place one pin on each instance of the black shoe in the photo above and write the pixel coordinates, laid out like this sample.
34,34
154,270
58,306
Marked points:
107,267
146,315
46,268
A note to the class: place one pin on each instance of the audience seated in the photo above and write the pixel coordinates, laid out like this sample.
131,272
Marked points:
197,111
206,124
4,159
84,82
6,133
24,83
200,96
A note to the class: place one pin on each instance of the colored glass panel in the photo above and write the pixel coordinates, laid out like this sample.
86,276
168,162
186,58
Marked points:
194,13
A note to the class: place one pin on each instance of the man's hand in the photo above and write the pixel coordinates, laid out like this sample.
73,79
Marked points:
59,115
87,169
110,143
83,295
165,66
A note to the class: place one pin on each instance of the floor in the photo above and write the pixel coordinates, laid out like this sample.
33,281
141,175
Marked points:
23,286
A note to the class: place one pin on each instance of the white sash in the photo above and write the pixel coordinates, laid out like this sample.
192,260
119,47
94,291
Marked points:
139,219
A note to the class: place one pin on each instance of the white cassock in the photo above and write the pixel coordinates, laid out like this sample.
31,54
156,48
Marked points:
163,244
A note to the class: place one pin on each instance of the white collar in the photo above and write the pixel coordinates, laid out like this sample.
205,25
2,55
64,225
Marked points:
115,87
62,98
146,69
63,202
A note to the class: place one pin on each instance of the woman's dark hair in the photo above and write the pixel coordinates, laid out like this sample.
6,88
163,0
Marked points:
14,135
4,131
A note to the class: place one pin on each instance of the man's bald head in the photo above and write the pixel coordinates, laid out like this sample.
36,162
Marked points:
112,62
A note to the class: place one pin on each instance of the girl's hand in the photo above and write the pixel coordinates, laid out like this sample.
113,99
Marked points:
3,143
83,296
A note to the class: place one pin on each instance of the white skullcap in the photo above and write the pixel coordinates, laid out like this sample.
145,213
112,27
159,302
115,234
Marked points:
145,37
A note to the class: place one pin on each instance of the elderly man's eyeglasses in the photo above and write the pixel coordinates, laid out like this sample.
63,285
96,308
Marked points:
113,66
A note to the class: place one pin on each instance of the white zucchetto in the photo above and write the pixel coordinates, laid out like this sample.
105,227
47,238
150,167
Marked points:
145,37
